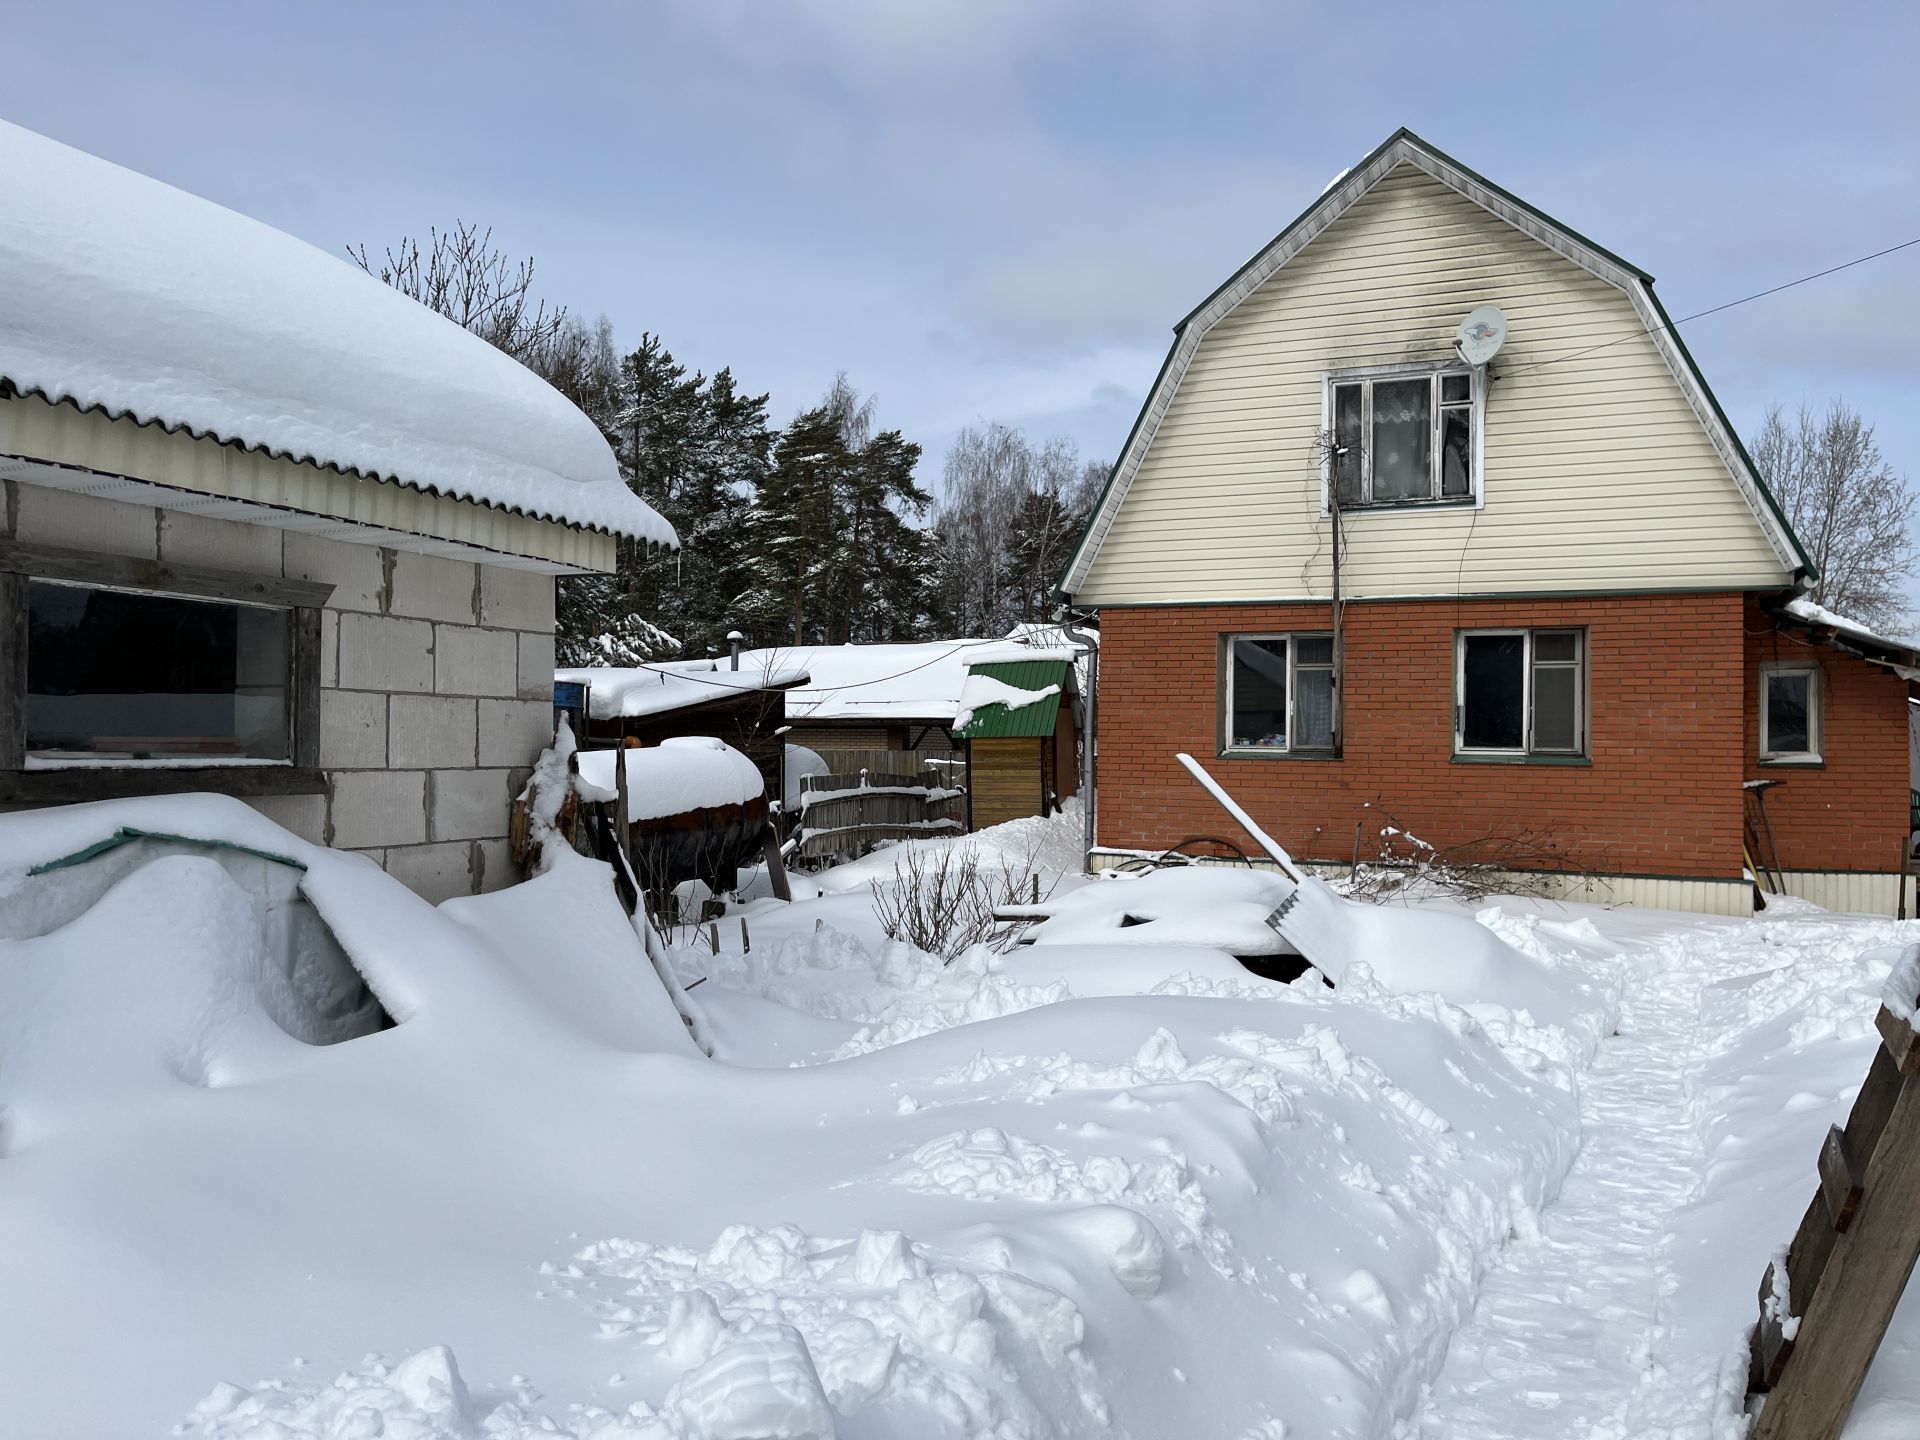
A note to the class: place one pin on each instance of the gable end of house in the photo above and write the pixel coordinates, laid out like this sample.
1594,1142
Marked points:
1397,166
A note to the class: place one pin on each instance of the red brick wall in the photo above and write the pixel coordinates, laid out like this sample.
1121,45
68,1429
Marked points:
1667,701
1851,813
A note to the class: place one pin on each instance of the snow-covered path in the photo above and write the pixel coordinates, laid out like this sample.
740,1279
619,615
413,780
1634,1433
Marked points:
1567,1336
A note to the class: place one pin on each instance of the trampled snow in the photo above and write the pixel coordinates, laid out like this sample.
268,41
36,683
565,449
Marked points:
130,296
1077,1188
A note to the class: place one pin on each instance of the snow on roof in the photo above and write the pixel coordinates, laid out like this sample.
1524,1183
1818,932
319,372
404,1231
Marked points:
626,692
688,772
878,682
1802,608
126,295
980,691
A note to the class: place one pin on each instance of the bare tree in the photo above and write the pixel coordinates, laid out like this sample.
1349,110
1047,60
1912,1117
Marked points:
1846,503
462,275
1009,512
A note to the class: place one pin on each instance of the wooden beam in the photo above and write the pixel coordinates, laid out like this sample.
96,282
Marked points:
115,782
127,572
13,671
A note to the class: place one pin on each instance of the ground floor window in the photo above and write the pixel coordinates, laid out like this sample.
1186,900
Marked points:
119,675
1278,694
125,675
1520,692
1790,713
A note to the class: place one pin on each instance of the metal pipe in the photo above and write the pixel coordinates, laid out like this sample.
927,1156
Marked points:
734,641
1087,642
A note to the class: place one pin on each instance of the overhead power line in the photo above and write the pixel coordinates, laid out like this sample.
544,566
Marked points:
1716,309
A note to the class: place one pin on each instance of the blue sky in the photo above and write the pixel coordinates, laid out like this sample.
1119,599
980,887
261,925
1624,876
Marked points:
996,211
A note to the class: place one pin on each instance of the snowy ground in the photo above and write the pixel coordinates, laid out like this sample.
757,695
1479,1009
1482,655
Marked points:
1109,1185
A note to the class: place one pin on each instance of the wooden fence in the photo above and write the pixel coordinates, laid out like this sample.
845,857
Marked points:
1825,1306
841,814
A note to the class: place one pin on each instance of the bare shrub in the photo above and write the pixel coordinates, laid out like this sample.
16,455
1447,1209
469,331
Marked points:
942,901
1522,862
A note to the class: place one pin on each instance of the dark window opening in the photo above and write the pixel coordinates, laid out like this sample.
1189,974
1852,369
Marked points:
115,674
1521,692
1790,714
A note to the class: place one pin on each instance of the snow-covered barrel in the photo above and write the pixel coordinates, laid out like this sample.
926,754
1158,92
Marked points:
696,808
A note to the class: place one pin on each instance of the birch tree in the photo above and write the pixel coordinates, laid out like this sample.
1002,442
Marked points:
1852,511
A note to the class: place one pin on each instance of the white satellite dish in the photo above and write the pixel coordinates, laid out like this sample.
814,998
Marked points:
1482,334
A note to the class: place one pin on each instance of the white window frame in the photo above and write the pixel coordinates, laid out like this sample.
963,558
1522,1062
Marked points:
1292,637
1475,497
1816,714
1527,750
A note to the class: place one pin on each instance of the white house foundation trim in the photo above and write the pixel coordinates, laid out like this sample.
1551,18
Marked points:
1843,891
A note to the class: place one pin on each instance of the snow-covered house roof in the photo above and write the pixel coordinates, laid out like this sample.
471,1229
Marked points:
630,692
127,296
1900,656
876,682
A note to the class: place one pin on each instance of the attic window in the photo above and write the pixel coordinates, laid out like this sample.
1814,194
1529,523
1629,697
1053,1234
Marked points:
1404,437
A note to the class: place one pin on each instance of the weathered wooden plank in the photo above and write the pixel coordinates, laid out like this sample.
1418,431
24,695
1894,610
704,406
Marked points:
1813,1242
1839,1180
13,670
1900,1041
64,787
303,686
1771,1347
47,562
1844,1321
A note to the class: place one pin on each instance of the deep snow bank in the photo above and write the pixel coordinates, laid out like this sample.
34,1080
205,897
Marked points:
1070,1200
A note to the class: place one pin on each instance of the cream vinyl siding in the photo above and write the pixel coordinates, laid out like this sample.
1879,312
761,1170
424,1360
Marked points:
67,449
1598,475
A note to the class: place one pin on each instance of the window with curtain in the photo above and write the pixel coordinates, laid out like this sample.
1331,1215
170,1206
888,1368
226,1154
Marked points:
1279,694
1401,439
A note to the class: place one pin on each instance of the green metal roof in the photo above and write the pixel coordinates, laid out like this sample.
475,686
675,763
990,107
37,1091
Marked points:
997,722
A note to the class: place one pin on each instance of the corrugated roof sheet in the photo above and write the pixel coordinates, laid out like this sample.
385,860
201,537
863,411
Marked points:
997,722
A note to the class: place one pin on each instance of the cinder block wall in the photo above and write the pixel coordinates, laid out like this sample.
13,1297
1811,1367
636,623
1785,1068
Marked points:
1660,796
436,675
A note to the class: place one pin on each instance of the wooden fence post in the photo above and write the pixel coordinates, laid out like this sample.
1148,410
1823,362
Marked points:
1851,1258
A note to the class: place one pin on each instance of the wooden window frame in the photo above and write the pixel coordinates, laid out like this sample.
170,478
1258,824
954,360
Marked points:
1367,377
1528,750
1229,750
302,599
1816,714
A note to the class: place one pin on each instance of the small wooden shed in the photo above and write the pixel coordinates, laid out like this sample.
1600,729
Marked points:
1020,751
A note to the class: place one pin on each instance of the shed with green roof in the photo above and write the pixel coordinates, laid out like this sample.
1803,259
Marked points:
1019,737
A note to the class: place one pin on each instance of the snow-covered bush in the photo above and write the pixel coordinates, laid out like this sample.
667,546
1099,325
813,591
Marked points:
942,900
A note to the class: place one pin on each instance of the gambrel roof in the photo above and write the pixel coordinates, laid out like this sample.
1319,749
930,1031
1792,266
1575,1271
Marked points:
1403,147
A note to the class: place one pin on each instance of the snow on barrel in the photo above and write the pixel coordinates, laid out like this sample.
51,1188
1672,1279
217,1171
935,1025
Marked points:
696,808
